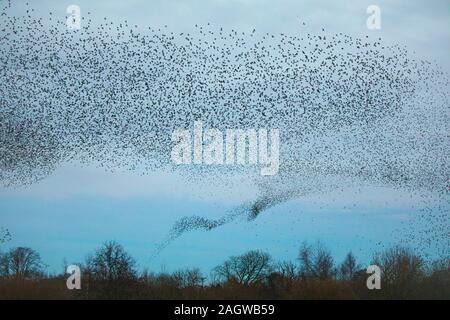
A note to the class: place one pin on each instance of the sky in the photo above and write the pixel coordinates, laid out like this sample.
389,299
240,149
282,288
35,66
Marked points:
70,213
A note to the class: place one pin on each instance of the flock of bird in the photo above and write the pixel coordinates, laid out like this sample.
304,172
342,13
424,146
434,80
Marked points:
350,111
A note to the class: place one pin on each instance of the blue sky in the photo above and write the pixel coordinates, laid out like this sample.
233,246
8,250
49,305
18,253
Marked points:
71,227
74,210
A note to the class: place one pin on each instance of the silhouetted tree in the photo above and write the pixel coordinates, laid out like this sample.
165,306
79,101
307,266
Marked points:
287,269
401,271
348,267
110,274
251,267
437,284
111,271
189,277
21,263
441,265
4,264
283,277
316,262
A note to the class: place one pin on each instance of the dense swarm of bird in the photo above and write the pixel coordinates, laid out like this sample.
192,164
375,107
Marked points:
349,109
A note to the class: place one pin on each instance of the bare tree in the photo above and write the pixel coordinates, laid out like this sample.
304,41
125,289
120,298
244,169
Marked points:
316,262
4,264
437,283
111,262
189,277
287,270
160,279
283,277
21,263
401,271
349,267
249,268
111,272
306,268
440,265
4,237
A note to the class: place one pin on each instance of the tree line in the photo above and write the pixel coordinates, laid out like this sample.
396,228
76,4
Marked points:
110,272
